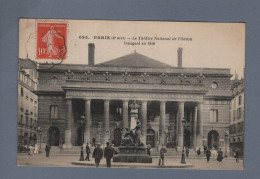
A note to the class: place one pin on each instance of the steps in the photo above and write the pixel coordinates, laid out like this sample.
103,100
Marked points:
75,150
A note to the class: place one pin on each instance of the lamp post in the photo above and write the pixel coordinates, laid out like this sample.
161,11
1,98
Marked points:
184,123
82,120
226,139
40,133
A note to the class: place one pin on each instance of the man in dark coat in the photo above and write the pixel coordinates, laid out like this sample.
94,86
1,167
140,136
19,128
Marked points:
108,153
98,154
87,152
220,155
237,154
47,149
204,148
198,152
208,154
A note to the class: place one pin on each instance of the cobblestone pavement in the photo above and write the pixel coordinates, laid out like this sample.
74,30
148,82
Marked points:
65,161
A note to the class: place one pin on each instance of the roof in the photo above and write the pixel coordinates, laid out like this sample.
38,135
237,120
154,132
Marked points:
135,60
27,64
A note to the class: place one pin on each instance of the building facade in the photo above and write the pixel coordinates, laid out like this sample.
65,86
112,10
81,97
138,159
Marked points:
177,106
236,129
27,102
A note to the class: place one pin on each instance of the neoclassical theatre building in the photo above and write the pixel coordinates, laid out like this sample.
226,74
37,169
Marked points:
176,106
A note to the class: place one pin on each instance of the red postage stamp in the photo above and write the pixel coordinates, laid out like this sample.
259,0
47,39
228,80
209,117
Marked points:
51,41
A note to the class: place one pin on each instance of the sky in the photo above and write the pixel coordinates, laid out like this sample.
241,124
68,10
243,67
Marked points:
205,45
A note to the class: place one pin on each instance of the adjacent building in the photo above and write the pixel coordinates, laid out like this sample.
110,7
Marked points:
177,106
27,102
236,129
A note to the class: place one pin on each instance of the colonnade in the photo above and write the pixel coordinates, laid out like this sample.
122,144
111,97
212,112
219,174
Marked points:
197,121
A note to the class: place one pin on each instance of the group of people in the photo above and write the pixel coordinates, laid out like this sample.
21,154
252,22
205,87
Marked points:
34,149
219,154
98,154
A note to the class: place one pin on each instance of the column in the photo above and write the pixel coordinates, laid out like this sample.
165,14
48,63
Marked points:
180,126
162,123
200,125
68,125
106,122
194,127
87,121
125,115
144,122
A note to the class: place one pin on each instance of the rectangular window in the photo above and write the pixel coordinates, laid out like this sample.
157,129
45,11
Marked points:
21,119
238,127
21,91
240,100
234,128
234,115
230,130
213,115
54,112
238,113
26,122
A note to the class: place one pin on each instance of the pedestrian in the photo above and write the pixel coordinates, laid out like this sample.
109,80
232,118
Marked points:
108,154
47,149
149,148
87,152
237,154
31,150
204,148
98,155
208,154
36,149
187,151
162,155
220,155
198,152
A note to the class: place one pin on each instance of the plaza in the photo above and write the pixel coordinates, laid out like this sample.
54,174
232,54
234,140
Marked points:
40,160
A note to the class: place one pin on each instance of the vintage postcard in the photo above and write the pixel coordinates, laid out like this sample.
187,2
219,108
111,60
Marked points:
131,94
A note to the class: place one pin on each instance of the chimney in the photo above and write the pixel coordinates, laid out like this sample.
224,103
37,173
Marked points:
91,53
179,57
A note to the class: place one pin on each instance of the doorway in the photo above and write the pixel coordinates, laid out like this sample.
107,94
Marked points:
54,136
213,139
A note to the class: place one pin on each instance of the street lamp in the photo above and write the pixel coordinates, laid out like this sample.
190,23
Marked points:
40,133
184,123
82,120
226,138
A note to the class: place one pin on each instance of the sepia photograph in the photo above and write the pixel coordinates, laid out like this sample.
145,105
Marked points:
131,94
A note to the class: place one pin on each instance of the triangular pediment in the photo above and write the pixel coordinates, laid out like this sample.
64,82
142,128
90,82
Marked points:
135,60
